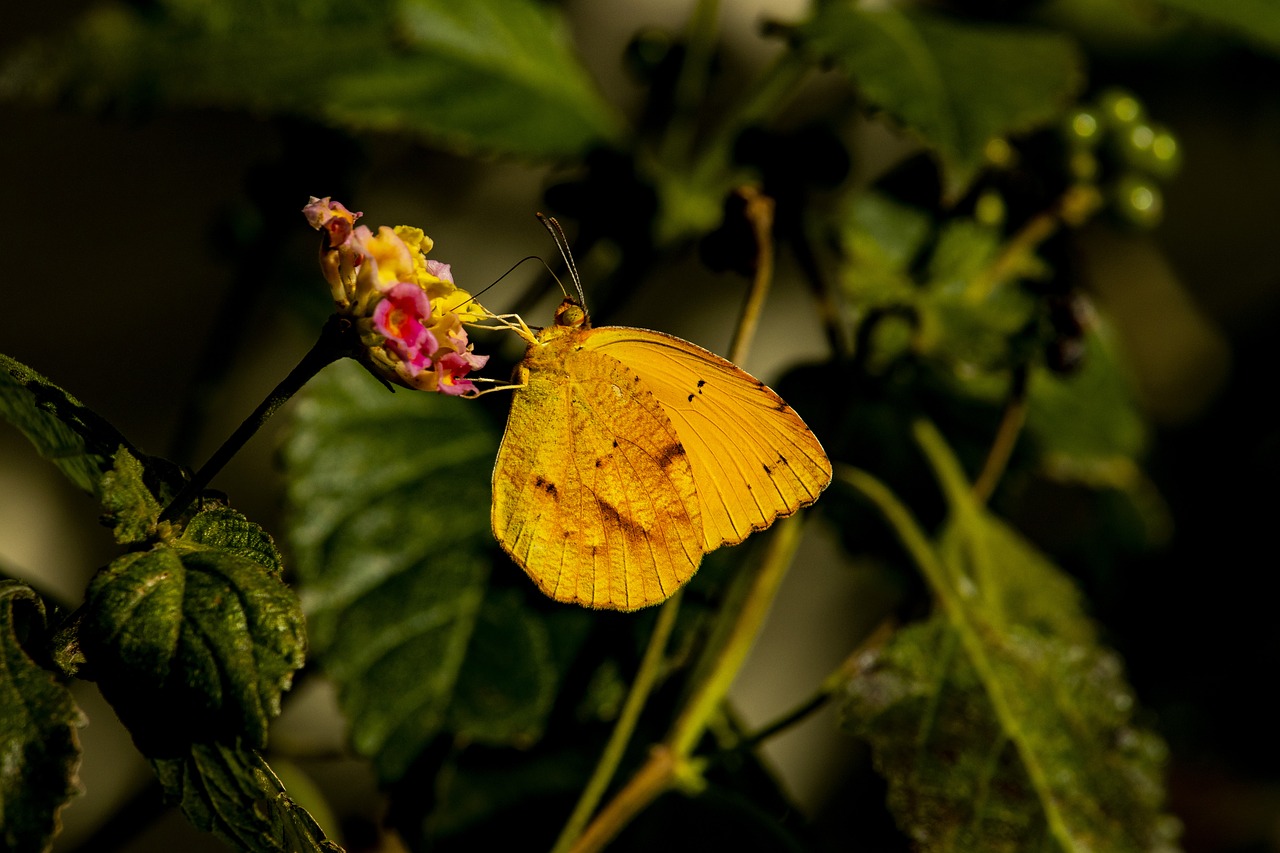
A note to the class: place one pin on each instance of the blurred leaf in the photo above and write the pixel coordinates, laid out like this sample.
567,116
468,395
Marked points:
128,502
57,424
390,521
197,634
227,789
881,232
957,85
1071,773
505,691
1001,723
1254,20
486,76
966,321
38,722
1088,419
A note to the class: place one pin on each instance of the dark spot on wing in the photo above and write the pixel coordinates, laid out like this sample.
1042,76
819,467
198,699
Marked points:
690,398
599,463
629,528
701,382
615,442
670,454
546,486
761,385
768,470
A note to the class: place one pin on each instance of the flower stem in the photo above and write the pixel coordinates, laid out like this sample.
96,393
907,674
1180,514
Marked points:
338,339
669,764
759,213
1011,422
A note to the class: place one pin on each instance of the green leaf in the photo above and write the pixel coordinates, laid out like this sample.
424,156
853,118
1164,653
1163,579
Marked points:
956,85
1002,724
493,76
60,427
129,504
503,694
1087,420
73,437
38,722
964,323
1254,20
196,634
961,773
227,789
390,523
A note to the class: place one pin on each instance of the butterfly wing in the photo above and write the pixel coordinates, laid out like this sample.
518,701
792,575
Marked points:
593,494
752,456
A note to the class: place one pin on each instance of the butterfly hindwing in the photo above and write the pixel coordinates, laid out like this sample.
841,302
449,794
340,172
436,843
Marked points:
752,456
593,494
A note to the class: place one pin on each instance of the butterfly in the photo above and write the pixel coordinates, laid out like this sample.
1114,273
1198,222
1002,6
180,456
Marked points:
629,454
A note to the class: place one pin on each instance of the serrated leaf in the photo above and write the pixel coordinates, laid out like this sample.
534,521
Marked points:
227,789
390,521
72,436
1002,724
959,779
128,502
1254,20
956,85
60,427
494,76
38,741
193,636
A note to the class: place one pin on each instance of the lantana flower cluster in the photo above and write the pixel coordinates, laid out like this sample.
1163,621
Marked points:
407,309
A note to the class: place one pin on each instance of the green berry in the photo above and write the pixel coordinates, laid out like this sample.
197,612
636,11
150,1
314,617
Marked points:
1138,200
1082,128
989,209
1119,108
1164,157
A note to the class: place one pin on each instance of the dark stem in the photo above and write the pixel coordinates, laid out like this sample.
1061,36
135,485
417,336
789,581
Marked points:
338,339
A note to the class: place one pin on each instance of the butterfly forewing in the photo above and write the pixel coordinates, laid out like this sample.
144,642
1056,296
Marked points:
593,493
752,456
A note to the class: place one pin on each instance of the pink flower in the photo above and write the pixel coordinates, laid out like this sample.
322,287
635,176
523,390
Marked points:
323,214
453,367
401,316
439,270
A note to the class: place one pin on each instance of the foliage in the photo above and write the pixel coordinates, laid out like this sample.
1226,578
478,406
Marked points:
996,715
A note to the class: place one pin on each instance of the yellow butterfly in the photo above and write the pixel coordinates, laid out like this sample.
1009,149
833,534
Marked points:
629,454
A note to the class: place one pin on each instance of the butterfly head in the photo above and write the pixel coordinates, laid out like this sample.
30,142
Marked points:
570,314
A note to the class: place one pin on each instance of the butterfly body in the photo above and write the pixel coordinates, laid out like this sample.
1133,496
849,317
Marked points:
629,454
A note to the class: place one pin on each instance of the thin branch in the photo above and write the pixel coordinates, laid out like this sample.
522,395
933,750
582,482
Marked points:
1006,438
759,212
337,340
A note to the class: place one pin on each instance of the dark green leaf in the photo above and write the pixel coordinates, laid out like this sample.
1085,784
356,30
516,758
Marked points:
390,522
957,85
1002,724
503,694
128,502
1061,767
1255,20
57,424
195,634
227,789
72,436
490,76
38,722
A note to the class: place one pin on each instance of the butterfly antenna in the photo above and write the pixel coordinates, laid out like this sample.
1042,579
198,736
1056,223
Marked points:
562,243
491,284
